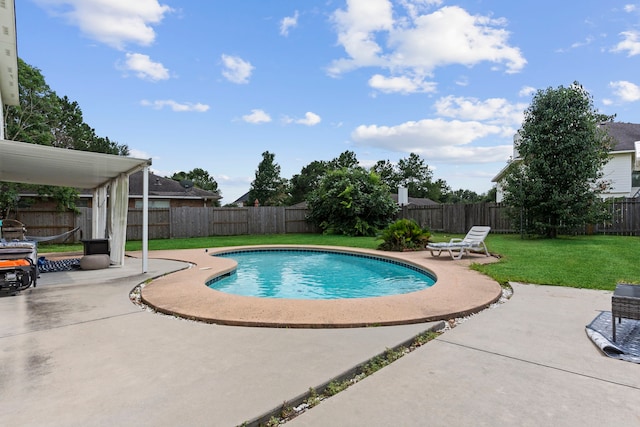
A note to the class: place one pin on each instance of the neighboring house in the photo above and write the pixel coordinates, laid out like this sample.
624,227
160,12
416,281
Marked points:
243,200
416,201
163,193
622,170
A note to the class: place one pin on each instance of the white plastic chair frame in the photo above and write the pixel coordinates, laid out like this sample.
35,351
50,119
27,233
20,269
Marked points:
457,248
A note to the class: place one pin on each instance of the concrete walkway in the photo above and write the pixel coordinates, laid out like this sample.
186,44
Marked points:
526,363
76,352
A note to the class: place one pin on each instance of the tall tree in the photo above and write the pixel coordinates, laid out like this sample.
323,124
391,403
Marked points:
302,184
30,121
415,174
555,184
199,177
346,159
268,188
306,181
387,173
464,196
44,118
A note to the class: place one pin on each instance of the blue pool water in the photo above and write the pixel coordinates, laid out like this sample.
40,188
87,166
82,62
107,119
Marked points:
313,274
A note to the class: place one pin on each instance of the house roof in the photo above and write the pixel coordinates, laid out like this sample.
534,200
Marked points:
242,199
624,134
416,201
165,187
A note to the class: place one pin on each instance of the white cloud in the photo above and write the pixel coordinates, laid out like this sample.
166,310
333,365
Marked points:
630,8
145,68
287,23
115,23
436,139
526,91
625,91
310,119
138,154
175,106
401,84
417,44
462,81
356,28
496,111
630,44
452,36
415,7
256,117
236,70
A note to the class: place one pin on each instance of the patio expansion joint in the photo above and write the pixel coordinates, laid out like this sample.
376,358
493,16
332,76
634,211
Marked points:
531,362
71,324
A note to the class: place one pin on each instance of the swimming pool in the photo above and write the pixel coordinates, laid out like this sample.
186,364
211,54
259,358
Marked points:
315,274
459,291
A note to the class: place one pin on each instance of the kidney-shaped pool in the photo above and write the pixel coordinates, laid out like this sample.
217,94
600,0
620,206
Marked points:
458,290
316,274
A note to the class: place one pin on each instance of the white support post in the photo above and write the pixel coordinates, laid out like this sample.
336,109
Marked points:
145,219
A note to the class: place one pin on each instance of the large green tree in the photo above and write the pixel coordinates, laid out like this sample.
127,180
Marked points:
554,185
414,174
199,177
388,174
302,184
268,187
306,181
346,159
70,131
44,118
351,201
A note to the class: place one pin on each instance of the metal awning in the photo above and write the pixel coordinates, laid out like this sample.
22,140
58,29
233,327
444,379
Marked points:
43,165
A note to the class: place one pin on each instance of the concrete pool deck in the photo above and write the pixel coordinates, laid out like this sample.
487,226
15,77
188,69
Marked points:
458,292
76,352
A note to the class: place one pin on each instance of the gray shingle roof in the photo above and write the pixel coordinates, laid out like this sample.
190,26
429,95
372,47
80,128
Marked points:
165,187
624,134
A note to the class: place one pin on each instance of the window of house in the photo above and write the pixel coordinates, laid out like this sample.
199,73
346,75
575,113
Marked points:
635,179
154,204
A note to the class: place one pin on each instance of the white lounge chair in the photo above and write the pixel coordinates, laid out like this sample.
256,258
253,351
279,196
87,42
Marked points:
472,242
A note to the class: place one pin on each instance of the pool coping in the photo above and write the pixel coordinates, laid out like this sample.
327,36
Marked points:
459,291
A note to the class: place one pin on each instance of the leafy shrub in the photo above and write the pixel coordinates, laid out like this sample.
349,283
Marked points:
404,234
352,202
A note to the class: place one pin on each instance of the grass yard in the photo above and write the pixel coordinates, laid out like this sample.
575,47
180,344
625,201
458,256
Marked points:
594,262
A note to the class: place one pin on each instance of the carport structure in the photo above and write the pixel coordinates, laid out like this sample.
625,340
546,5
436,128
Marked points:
106,174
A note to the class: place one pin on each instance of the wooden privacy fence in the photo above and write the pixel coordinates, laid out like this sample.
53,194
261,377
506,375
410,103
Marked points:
459,218
206,221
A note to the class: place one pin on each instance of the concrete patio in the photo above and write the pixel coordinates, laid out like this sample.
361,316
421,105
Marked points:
76,352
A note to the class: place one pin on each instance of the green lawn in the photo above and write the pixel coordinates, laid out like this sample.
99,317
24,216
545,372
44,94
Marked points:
595,262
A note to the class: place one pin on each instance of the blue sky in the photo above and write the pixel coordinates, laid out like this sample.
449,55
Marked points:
214,84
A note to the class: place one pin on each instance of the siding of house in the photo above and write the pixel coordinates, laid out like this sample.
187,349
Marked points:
618,172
